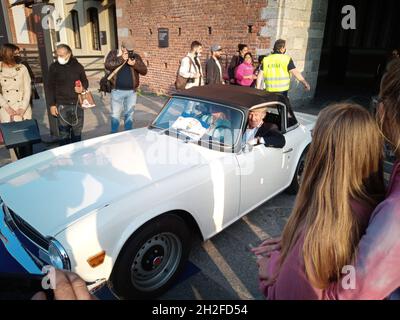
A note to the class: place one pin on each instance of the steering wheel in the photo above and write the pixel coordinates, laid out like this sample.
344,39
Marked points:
221,128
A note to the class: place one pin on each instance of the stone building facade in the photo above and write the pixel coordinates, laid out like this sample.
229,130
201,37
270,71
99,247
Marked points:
88,26
257,23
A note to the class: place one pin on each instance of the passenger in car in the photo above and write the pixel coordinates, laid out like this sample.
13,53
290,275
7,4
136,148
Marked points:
219,127
259,131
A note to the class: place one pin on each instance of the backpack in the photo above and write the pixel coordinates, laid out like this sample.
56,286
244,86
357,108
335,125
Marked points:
181,82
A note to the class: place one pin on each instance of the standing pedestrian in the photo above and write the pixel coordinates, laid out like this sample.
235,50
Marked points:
15,94
277,69
67,79
244,74
260,70
190,68
129,66
236,61
19,60
213,66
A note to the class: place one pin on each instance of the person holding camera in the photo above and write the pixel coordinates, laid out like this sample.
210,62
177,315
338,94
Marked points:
129,66
190,67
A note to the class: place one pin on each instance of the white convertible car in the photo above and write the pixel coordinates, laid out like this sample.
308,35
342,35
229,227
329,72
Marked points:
123,208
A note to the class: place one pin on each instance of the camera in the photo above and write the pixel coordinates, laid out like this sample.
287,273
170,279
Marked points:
131,55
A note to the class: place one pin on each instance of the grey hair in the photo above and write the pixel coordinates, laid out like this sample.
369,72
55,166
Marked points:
65,47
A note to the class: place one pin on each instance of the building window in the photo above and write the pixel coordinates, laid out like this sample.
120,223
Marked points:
95,28
76,29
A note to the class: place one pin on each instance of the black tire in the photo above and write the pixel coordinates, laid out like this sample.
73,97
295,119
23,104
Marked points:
146,268
298,174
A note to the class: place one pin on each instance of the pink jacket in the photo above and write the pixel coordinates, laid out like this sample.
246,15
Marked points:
292,282
243,70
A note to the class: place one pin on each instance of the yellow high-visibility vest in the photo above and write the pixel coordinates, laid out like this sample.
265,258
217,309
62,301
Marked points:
276,74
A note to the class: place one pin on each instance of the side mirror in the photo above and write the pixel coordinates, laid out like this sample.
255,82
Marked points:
247,148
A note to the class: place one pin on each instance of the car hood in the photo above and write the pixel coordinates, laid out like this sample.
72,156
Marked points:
53,189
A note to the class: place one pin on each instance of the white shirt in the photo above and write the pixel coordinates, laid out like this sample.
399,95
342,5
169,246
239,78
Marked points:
250,135
189,70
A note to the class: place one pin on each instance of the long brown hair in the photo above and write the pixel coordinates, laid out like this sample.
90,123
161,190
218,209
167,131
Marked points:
7,54
343,163
388,116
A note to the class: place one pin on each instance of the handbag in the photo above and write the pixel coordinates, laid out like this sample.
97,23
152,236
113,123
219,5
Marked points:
20,133
181,82
86,100
105,82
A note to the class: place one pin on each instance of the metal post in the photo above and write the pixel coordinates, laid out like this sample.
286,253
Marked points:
45,55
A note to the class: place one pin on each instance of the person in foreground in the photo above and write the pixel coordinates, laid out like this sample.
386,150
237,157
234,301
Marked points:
69,286
378,255
342,185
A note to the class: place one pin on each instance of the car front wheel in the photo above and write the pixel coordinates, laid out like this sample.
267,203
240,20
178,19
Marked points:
152,259
298,175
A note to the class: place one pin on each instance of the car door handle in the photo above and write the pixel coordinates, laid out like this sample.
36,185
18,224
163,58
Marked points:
288,151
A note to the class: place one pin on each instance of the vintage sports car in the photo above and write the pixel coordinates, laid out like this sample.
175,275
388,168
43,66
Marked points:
124,208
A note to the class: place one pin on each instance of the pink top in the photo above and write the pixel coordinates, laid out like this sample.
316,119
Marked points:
244,69
292,282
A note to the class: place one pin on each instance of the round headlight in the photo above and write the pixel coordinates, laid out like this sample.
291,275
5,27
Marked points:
58,256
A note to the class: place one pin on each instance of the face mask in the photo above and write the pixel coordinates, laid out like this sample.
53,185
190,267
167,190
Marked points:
62,61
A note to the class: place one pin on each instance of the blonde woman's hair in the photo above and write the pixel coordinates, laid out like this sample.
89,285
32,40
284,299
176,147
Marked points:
343,163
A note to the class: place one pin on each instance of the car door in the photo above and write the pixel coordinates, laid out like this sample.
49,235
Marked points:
261,171
224,191
264,171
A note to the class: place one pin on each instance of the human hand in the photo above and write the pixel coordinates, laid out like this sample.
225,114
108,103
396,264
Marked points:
69,286
132,62
54,111
306,85
125,56
20,112
11,112
265,278
79,89
267,247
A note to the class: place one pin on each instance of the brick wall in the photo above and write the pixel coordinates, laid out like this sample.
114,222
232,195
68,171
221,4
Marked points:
229,21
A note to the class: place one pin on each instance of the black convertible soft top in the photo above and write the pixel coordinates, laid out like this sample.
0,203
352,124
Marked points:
235,96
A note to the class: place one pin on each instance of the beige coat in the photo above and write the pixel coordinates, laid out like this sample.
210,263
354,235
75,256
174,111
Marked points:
15,91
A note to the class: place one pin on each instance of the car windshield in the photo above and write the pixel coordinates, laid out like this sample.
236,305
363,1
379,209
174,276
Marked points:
201,121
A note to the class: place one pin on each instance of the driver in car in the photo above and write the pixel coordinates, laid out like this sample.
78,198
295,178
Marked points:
260,132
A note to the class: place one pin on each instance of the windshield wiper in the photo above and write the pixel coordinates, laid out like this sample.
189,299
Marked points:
178,131
188,138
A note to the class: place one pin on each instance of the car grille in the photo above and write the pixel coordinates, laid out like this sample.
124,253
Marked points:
28,231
